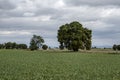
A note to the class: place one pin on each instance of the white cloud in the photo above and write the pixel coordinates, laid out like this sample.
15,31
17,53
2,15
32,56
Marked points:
14,33
59,4
110,12
44,18
28,14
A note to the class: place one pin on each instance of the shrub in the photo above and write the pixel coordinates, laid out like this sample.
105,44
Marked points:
114,47
44,47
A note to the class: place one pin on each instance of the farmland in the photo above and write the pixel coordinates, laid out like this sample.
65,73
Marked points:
58,65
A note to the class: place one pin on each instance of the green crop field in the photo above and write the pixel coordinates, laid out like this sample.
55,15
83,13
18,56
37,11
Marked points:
58,65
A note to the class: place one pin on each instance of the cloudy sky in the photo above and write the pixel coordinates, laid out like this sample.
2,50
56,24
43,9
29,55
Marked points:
20,19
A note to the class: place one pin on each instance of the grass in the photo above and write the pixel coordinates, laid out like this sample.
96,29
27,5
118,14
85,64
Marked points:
58,65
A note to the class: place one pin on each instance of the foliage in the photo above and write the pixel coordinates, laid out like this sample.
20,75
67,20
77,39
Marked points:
33,45
44,47
116,47
36,42
73,36
1,46
47,65
9,45
12,45
22,46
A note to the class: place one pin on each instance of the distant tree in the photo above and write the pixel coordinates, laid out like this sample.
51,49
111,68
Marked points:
33,45
22,46
118,47
17,46
13,45
94,47
44,47
49,47
74,37
1,46
36,42
114,47
8,45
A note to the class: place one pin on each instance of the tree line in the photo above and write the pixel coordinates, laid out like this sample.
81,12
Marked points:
35,43
12,45
72,36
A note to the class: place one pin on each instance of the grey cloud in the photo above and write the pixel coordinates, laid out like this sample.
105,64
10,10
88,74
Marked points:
104,27
106,34
9,14
92,2
46,11
38,12
115,20
6,5
83,13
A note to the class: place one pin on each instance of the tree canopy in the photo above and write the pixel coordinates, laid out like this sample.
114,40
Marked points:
74,36
44,47
36,42
116,47
13,45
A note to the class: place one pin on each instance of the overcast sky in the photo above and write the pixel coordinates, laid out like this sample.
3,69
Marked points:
20,19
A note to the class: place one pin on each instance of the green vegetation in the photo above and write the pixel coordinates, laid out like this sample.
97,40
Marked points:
74,36
12,45
58,65
36,42
116,47
44,47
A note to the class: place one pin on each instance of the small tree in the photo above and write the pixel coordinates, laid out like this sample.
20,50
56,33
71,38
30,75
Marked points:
36,42
33,45
44,47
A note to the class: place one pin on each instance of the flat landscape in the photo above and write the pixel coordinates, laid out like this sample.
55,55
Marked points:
58,65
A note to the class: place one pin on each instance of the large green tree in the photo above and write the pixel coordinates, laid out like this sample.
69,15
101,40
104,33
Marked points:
74,36
36,42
